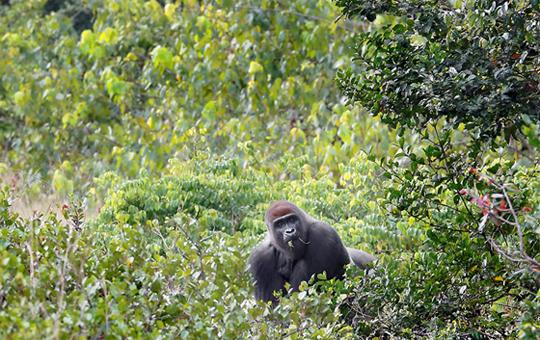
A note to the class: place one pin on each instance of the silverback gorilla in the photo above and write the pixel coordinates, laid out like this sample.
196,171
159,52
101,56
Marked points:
296,247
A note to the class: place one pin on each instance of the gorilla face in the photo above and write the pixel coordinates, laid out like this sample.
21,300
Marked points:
287,228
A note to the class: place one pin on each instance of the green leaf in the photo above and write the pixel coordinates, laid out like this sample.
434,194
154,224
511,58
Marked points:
255,67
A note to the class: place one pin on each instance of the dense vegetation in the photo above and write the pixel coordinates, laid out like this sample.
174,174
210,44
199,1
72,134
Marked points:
143,140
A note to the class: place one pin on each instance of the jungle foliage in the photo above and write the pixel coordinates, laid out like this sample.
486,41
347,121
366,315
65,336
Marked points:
159,131
459,81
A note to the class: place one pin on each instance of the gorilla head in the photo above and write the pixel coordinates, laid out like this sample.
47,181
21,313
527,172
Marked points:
287,228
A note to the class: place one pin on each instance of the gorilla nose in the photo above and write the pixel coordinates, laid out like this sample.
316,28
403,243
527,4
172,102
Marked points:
290,231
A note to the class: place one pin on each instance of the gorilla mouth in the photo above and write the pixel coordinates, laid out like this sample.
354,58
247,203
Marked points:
290,241
289,238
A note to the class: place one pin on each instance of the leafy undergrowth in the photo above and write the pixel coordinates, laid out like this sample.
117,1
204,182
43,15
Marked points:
175,279
167,258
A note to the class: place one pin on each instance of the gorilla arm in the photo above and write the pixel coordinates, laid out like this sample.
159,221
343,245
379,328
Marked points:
263,264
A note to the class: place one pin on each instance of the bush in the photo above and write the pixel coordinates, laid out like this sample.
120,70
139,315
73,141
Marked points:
222,202
62,278
167,257
235,195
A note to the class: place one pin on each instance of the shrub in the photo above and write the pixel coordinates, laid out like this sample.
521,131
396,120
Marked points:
61,278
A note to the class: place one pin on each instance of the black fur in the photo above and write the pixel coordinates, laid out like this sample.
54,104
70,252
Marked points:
316,248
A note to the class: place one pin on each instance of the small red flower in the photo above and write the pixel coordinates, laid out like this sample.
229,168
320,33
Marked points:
473,171
481,201
526,209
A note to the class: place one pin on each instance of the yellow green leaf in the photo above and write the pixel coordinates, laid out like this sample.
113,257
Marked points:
255,67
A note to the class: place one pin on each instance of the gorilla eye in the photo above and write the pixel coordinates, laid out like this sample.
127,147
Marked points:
286,220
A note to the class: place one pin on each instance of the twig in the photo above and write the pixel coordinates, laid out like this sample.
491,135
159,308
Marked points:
32,275
441,145
535,264
498,249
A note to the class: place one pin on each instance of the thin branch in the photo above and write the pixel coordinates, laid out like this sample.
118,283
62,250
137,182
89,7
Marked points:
531,261
441,145
501,252
32,275
502,219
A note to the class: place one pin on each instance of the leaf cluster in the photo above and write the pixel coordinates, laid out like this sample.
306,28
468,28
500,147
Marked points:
470,62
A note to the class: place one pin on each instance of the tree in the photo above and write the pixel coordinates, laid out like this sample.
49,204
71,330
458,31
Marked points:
470,62
459,80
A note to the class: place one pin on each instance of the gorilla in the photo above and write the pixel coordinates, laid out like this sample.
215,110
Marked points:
298,246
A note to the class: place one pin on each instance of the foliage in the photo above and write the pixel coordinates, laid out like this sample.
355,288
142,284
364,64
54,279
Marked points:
217,190
449,287
189,75
165,268
80,15
458,80
188,117
471,62
62,278
222,202
184,259
476,273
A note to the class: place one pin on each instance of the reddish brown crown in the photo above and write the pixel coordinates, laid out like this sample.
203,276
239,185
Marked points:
279,209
